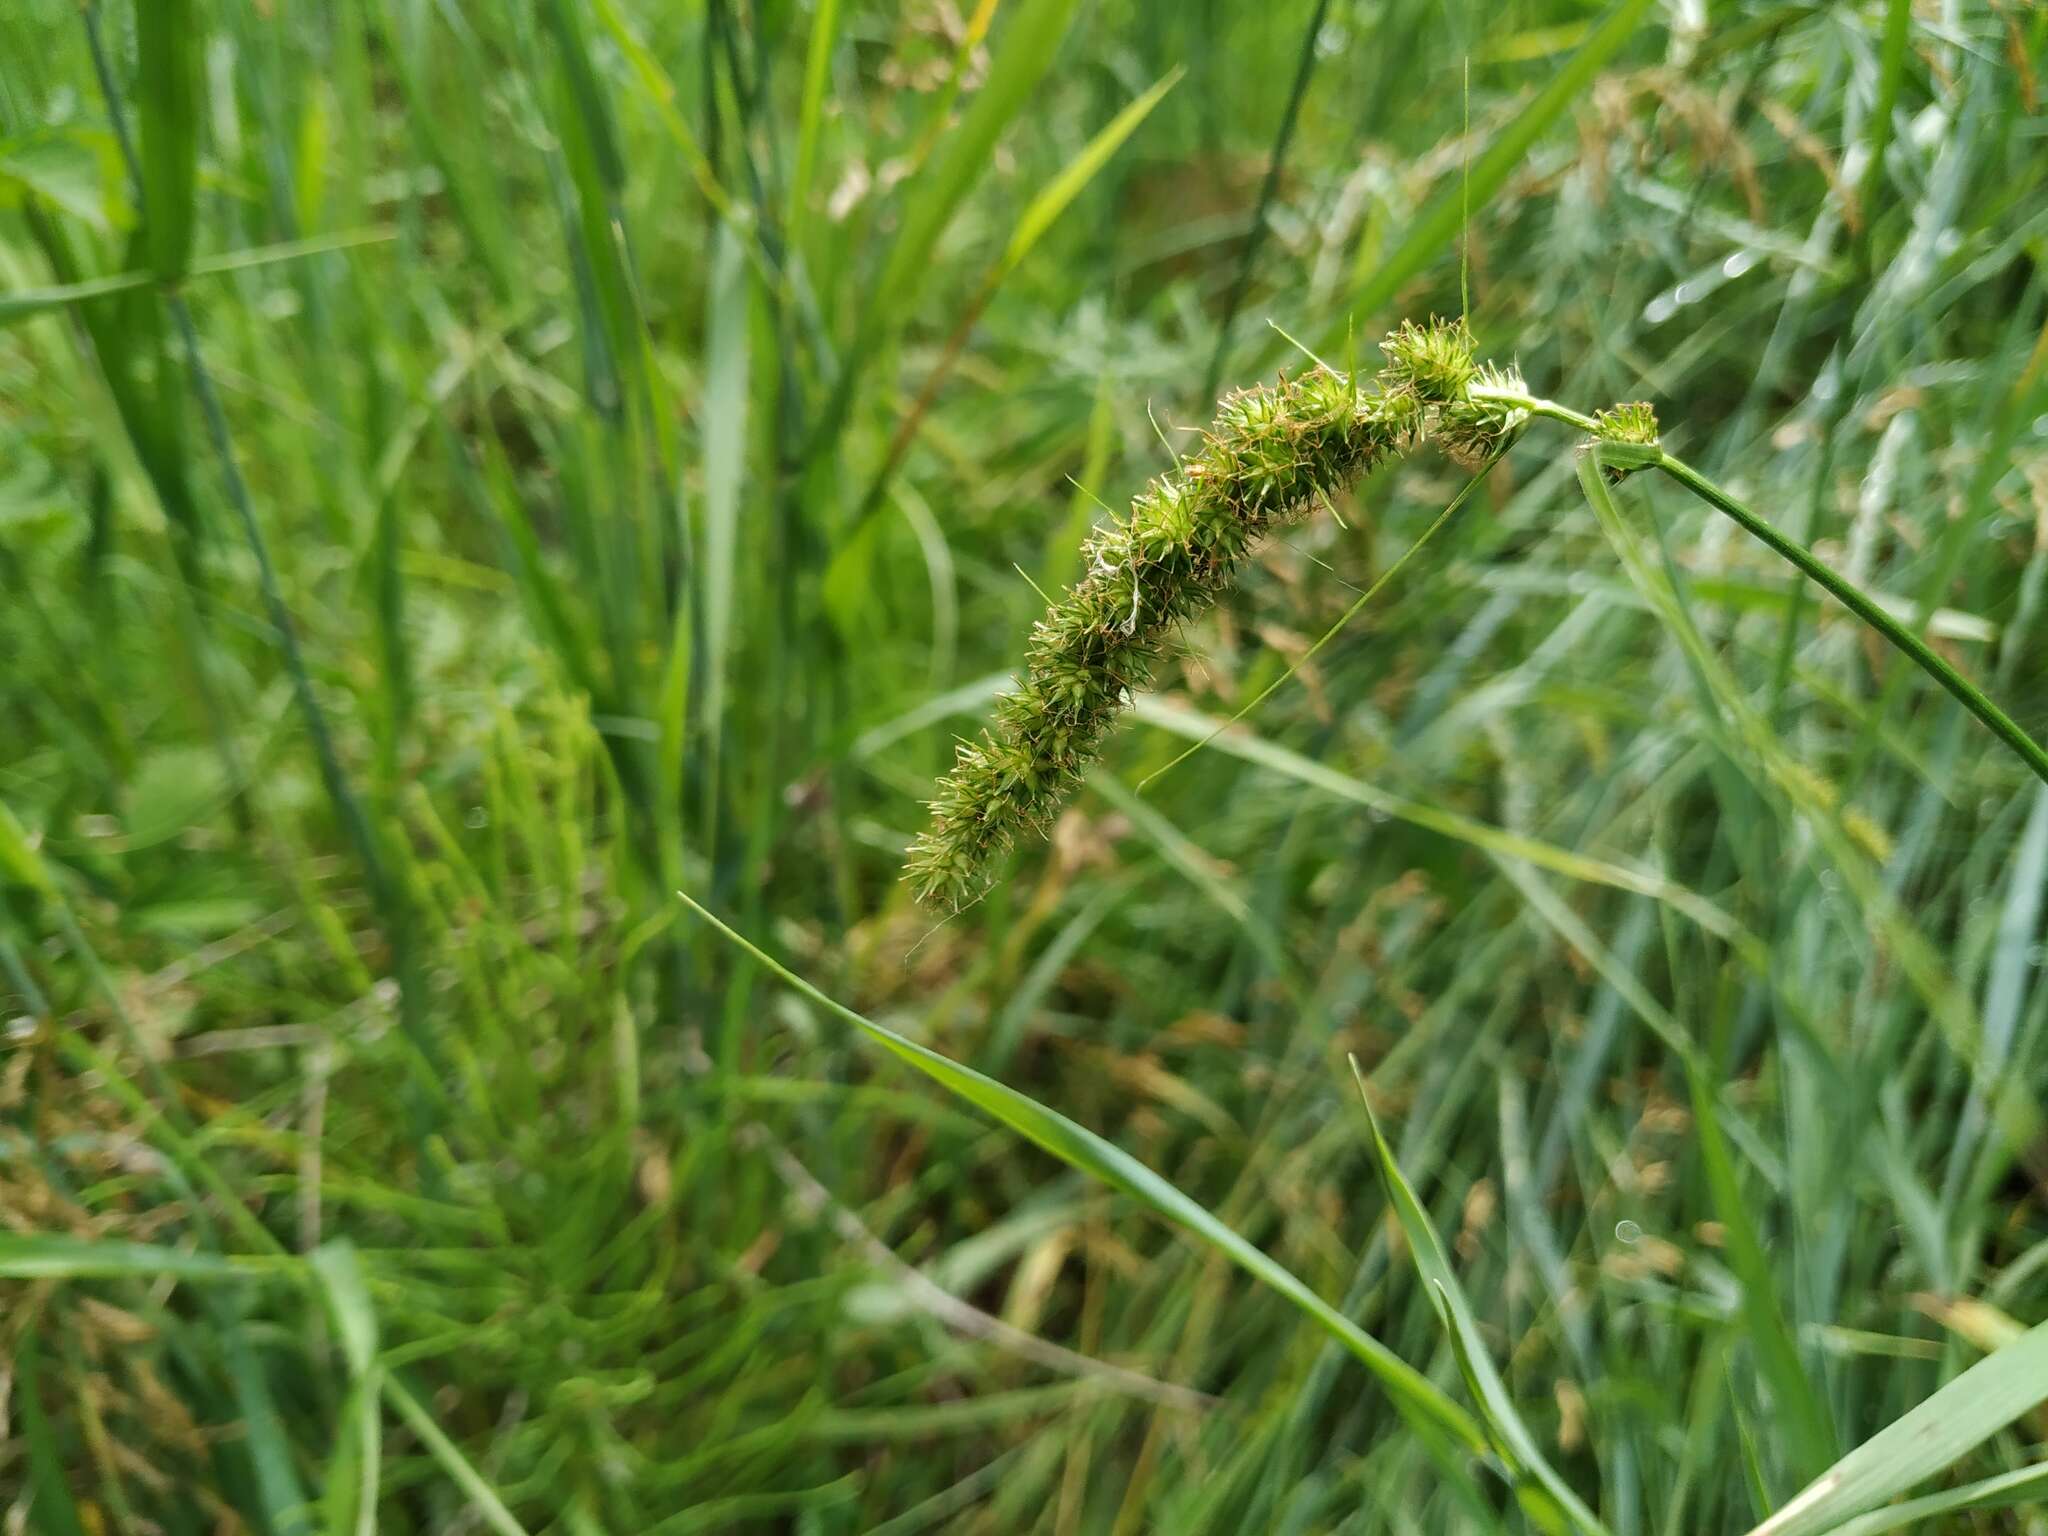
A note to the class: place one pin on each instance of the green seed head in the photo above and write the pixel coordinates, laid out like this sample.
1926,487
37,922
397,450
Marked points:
1631,423
1433,362
1271,456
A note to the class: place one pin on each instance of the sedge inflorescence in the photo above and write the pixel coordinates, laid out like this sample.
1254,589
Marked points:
1272,455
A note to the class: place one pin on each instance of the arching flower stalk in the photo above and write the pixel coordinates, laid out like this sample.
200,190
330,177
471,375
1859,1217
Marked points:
1273,454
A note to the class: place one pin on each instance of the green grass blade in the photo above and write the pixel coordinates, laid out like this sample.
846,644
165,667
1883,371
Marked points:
1512,1437
265,1439
590,98
1192,725
339,1269
1029,43
1043,211
354,1472
810,118
1803,1415
355,1469
53,1256
1276,162
1082,1149
55,1512
24,303
1898,23
493,489
725,445
661,93
1181,854
1917,957
2029,1485
168,37
1039,215
482,1497
1919,1443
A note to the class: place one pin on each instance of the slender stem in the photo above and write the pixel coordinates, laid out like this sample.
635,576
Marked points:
1973,698
1968,693
1535,405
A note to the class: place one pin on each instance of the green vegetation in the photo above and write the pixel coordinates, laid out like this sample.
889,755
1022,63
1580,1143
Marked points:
471,473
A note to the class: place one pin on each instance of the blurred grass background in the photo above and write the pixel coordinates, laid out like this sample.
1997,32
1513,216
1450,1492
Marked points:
650,422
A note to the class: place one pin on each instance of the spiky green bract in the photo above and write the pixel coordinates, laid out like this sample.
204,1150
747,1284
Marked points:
1634,422
1272,454
1433,362
1474,426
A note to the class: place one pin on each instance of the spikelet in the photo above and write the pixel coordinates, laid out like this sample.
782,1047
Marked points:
1272,454
1634,422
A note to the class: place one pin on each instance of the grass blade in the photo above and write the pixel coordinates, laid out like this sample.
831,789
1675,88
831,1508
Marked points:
354,1471
1919,1443
1511,1435
1917,957
810,118
725,445
935,196
53,1256
1081,1148
1039,215
339,1270
482,1497
1802,1412
1898,22
167,38
1194,726
1240,280
2029,1485
55,1512
1043,211
23,303
1028,47
265,1440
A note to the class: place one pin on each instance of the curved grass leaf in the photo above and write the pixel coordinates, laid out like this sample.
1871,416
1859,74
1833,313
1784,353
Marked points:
1081,1148
23,303
1802,1412
354,1469
339,1270
1545,1495
265,1438
1028,46
1744,730
935,195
